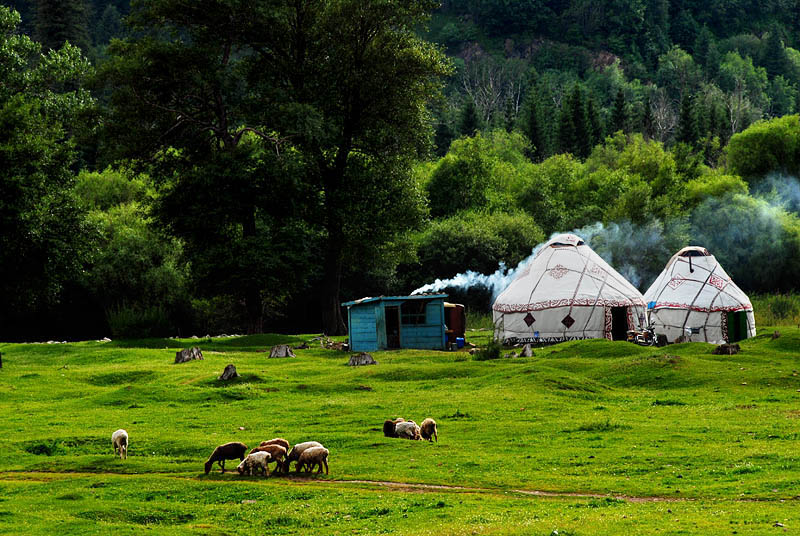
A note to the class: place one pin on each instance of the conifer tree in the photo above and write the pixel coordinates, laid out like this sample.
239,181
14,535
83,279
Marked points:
469,122
565,138
531,126
687,122
595,126
773,56
619,118
509,115
702,45
582,136
58,21
647,119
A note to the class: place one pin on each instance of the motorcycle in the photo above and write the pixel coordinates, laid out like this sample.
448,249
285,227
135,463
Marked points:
643,337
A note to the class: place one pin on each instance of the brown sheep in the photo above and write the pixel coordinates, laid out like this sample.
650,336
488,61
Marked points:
311,457
428,430
277,453
389,427
277,441
228,451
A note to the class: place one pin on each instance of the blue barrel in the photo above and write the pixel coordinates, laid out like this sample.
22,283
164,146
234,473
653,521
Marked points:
460,342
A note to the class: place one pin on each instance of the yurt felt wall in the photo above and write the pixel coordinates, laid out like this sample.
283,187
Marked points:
695,299
567,292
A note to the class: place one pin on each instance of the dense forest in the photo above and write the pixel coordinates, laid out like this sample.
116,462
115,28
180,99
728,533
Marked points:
171,167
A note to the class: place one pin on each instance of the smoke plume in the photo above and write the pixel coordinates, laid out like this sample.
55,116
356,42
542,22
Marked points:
756,238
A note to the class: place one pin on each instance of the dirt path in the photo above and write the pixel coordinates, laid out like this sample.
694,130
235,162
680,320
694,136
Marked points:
45,476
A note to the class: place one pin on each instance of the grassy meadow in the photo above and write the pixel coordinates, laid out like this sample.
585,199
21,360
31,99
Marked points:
589,437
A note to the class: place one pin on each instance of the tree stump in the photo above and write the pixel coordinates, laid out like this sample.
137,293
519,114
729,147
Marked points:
229,373
282,350
361,359
189,354
526,351
726,349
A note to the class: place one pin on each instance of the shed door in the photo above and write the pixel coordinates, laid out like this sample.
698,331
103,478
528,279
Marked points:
392,326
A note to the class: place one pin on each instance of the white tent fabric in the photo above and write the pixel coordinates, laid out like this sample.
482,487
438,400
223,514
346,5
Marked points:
567,292
695,298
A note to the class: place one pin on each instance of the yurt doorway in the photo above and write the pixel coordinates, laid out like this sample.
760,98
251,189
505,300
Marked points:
737,326
619,323
392,326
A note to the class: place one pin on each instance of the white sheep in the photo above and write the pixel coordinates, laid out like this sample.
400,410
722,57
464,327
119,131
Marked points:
313,456
253,462
119,440
296,451
407,430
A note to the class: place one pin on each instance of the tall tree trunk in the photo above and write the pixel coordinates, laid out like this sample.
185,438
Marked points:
252,293
332,319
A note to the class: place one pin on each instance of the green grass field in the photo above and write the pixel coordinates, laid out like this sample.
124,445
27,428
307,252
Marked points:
589,437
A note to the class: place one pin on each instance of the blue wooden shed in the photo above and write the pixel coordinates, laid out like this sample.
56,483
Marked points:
390,322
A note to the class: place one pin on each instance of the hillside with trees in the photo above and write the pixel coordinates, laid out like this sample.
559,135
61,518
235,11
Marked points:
218,166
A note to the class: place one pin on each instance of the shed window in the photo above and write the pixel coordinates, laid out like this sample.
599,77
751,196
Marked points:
413,312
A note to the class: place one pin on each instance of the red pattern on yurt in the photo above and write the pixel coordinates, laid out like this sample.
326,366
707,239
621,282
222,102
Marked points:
717,281
558,271
566,302
675,282
608,323
732,308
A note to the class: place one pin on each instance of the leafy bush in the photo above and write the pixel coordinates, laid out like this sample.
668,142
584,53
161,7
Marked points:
128,322
492,350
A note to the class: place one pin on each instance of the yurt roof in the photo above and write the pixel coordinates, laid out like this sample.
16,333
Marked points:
566,272
693,279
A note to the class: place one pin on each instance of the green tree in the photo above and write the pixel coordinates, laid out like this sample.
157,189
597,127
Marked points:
531,125
595,124
688,131
765,147
60,21
619,117
773,55
43,240
469,122
265,105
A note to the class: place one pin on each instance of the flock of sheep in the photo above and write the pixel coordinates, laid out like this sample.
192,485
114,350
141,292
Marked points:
306,456
404,429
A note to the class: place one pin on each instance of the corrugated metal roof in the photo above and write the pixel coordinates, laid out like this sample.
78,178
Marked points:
397,298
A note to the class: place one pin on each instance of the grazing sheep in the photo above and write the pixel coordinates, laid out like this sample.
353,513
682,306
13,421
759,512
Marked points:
428,430
254,462
277,441
119,440
295,453
311,457
228,451
389,427
407,430
276,452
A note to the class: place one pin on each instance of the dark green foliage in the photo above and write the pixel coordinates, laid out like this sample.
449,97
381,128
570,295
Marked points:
595,124
531,125
43,238
492,350
469,122
764,147
773,56
60,21
688,131
619,118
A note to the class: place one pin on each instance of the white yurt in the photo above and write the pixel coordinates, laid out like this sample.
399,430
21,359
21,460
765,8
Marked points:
694,297
567,292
